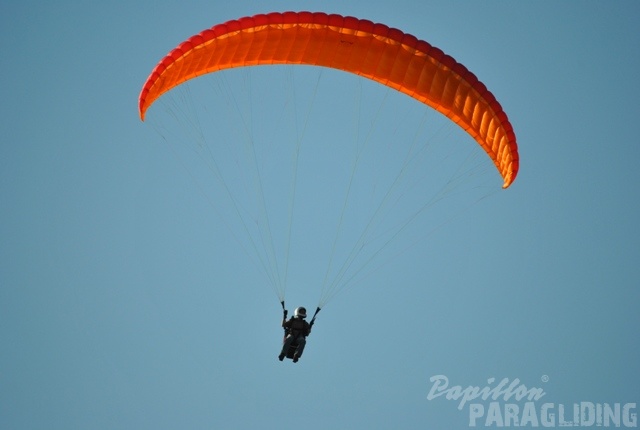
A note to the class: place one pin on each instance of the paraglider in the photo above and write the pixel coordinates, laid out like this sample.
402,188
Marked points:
370,50
374,51
296,331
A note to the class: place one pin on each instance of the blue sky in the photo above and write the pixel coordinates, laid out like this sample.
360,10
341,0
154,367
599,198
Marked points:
126,303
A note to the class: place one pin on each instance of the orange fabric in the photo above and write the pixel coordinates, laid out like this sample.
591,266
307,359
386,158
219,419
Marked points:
374,51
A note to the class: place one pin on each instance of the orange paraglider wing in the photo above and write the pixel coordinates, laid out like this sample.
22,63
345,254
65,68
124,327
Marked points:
374,51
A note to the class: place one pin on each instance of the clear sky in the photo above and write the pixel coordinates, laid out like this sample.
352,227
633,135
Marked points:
126,303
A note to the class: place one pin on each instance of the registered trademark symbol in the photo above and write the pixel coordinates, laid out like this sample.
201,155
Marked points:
545,378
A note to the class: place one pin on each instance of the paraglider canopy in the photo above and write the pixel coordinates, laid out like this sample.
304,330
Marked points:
375,51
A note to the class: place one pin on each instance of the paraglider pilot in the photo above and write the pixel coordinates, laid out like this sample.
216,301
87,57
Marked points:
296,332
